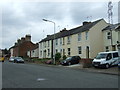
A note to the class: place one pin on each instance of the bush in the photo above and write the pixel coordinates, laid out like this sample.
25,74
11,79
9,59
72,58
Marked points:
64,57
57,56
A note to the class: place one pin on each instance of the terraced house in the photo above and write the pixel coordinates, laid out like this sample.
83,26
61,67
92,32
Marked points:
111,36
85,41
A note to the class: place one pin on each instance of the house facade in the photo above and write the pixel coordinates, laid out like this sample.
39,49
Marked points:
110,37
22,46
34,53
85,41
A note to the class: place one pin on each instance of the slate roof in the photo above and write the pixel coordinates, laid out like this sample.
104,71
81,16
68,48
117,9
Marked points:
112,27
71,31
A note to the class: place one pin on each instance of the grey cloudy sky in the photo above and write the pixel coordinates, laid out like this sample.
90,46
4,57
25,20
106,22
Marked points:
21,18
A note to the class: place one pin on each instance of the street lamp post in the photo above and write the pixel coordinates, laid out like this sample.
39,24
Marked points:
54,38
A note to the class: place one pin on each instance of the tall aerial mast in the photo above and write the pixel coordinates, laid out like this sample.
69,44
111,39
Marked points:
110,13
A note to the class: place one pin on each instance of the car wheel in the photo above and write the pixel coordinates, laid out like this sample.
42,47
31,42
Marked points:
107,66
69,63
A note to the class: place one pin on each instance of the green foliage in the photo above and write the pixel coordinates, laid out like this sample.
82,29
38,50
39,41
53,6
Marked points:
64,57
57,56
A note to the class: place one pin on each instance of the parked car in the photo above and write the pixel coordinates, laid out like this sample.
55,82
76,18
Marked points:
11,59
106,59
2,59
71,60
18,60
48,62
119,65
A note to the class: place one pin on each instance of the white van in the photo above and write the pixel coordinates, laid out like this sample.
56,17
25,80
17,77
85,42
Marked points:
106,59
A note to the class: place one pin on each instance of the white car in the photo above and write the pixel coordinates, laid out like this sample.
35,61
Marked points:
11,59
106,59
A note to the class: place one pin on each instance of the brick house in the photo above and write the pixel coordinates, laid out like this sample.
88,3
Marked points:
22,46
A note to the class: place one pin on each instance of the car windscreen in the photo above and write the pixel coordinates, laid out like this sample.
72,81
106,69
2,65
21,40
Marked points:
69,58
18,58
102,55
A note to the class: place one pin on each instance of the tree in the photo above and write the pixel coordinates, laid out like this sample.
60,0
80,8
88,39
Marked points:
57,56
64,57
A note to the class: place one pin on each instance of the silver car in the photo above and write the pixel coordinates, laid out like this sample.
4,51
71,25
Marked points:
11,59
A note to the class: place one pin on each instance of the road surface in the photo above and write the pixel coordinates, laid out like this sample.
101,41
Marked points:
42,76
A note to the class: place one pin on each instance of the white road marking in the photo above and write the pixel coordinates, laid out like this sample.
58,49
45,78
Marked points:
41,79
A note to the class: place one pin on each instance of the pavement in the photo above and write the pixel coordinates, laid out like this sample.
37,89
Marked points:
112,70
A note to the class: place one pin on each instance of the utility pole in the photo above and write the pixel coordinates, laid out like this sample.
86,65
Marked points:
53,40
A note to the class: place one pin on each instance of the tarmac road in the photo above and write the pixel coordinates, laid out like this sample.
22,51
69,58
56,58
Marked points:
40,76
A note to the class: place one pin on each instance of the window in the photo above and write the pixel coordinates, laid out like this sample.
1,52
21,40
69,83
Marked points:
86,34
40,45
108,35
68,40
56,41
60,41
45,44
115,55
69,51
63,51
63,41
48,43
79,50
48,52
56,50
109,56
79,37
40,53
107,49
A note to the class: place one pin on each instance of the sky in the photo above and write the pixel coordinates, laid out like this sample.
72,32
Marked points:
21,18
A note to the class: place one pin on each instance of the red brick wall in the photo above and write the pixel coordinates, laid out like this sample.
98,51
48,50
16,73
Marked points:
21,49
24,47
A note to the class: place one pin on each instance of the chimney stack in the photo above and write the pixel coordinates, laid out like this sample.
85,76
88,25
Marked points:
85,23
22,39
28,38
18,41
15,43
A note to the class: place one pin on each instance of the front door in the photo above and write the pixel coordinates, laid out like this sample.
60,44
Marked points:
87,51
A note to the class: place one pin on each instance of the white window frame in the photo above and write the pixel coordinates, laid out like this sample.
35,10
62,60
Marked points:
79,50
56,42
68,40
108,35
86,35
60,41
69,51
79,37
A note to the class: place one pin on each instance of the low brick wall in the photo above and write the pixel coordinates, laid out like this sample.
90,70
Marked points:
86,62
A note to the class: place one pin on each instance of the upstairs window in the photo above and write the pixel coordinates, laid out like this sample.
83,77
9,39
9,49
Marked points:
79,37
48,43
68,40
45,44
108,35
86,34
60,41
56,42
